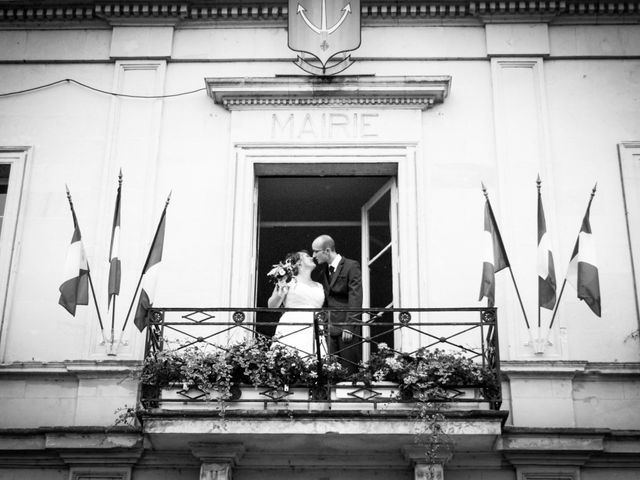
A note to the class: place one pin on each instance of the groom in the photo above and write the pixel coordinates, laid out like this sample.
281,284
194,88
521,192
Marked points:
342,280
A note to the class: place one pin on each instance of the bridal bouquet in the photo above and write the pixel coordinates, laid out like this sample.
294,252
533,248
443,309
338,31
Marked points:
282,272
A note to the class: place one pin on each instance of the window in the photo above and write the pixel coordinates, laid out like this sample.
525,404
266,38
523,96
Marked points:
358,211
12,173
629,156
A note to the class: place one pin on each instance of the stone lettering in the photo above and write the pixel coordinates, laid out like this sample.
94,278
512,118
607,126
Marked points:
278,129
324,126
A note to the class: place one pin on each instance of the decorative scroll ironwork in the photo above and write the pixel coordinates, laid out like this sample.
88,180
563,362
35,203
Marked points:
471,332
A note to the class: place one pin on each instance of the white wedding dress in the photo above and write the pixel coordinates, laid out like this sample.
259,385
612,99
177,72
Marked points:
300,295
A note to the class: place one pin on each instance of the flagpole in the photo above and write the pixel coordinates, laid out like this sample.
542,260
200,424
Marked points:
143,267
93,292
553,318
113,310
519,298
493,219
555,310
539,185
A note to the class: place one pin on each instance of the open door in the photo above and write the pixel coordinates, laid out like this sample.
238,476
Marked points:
379,264
292,211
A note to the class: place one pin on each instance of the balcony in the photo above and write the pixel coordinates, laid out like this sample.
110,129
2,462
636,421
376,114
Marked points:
447,358
218,383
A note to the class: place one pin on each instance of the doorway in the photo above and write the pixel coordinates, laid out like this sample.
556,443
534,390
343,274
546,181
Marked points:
358,211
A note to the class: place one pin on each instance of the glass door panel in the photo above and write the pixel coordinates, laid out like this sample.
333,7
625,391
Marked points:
379,245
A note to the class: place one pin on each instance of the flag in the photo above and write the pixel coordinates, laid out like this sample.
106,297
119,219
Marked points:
150,274
545,267
495,256
74,290
583,270
114,249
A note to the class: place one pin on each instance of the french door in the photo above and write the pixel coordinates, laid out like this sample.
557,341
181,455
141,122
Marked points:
379,223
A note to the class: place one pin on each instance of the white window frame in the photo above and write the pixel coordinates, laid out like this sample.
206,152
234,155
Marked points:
241,224
629,152
17,158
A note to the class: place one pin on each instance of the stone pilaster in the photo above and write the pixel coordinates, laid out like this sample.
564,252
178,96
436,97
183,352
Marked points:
218,459
423,468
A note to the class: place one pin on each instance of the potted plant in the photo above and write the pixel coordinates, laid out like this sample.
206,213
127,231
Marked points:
282,371
437,375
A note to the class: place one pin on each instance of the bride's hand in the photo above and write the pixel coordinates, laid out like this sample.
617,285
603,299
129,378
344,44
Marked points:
282,288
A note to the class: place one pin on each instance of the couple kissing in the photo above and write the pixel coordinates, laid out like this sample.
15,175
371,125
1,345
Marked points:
324,279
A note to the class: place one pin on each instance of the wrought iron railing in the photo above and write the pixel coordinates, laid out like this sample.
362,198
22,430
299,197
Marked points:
471,333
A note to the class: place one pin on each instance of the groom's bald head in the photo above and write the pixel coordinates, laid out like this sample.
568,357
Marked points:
324,242
324,249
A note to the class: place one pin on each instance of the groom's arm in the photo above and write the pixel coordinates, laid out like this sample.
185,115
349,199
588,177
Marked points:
354,278
355,286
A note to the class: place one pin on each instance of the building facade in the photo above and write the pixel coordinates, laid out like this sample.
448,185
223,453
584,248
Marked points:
204,100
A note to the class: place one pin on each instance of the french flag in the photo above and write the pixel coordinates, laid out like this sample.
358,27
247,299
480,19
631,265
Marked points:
546,269
74,290
150,274
494,256
583,269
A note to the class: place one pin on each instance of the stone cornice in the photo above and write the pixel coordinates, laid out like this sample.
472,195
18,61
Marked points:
347,91
71,11
568,368
72,368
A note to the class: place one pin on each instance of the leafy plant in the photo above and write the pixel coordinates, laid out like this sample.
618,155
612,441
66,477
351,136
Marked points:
426,374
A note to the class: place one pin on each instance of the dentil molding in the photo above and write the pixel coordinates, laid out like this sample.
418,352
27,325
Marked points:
371,11
345,91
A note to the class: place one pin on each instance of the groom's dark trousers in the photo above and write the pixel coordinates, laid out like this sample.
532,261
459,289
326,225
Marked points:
343,289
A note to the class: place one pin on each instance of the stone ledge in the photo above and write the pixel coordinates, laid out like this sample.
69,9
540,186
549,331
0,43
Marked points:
349,91
550,367
248,11
69,368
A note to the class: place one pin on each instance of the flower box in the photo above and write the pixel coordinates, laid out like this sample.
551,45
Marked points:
378,391
264,398
175,397
358,396
459,398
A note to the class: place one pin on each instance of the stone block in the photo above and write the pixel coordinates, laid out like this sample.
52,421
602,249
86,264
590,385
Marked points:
520,39
142,42
542,401
12,388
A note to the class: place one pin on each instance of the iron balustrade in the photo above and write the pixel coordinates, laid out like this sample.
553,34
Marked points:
471,332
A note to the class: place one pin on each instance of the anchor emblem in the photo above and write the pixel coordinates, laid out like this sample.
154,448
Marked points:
323,15
334,29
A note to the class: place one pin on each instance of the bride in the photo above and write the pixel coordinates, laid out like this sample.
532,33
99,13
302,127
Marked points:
295,329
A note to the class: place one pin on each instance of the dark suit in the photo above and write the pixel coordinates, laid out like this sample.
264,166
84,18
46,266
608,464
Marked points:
343,289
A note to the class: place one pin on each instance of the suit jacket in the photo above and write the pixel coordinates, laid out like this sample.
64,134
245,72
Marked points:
343,290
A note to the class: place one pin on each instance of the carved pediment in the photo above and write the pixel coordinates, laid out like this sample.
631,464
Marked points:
345,91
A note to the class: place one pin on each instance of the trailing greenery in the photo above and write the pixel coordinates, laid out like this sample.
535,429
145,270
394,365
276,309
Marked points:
425,375
427,378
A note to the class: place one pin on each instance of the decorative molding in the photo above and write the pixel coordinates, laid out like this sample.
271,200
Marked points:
547,473
483,11
85,473
523,368
415,454
211,452
349,91
430,471
216,471
573,448
218,459
72,368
